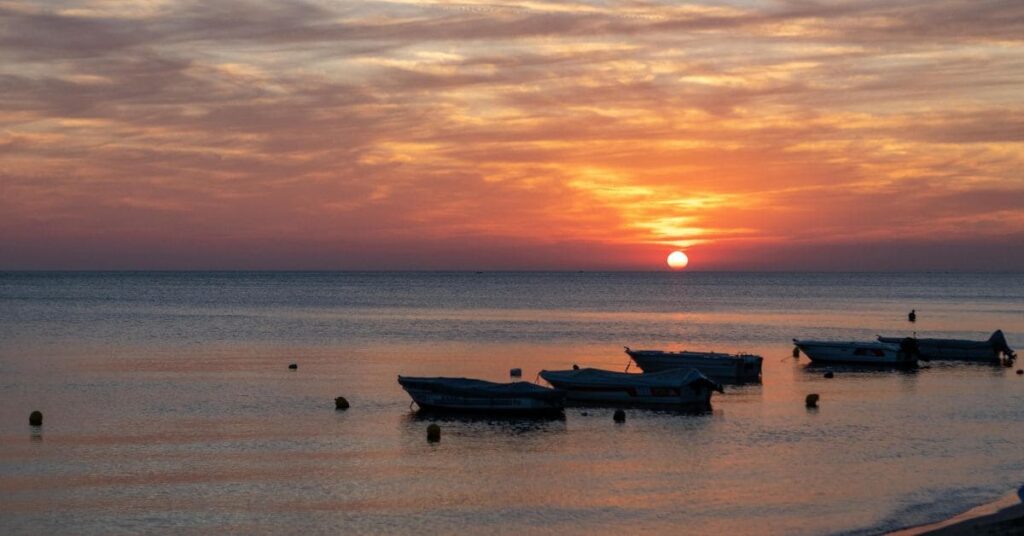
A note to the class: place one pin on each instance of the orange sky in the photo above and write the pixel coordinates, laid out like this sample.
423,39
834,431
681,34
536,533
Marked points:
408,134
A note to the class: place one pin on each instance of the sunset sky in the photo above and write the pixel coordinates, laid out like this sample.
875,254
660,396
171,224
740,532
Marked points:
861,135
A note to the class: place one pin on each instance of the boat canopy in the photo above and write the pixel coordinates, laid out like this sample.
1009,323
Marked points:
997,342
473,388
690,354
882,344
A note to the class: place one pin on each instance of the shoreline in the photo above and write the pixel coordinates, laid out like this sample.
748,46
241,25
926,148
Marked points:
1002,516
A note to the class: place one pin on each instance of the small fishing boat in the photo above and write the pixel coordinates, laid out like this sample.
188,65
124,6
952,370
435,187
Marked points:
670,388
993,350
730,368
860,353
469,395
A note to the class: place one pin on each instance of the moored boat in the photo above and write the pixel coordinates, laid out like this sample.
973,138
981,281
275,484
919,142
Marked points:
859,353
730,368
470,395
670,388
993,350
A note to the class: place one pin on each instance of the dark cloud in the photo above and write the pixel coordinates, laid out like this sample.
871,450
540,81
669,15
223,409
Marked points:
45,35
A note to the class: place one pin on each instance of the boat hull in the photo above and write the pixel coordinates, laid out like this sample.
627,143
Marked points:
432,395
670,389
439,402
940,353
720,367
662,397
854,353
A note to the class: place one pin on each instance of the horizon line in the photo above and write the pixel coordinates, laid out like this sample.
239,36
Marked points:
486,271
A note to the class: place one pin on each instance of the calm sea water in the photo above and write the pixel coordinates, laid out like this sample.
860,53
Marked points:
169,406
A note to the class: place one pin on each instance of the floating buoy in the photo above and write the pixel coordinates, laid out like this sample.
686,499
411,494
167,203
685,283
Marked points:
433,433
620,416
293,366
812,400
35,418
516,372
796,351
340,403
830,374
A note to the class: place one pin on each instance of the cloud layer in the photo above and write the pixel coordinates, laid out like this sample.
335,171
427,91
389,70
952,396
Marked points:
522,135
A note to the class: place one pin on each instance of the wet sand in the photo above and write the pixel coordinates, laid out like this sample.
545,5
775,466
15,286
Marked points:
1003,516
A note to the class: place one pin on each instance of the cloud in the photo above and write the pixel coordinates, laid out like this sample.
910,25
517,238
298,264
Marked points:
361,133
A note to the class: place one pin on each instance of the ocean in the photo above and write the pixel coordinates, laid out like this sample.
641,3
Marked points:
169,406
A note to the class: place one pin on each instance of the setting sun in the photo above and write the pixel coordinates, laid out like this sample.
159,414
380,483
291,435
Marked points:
677,260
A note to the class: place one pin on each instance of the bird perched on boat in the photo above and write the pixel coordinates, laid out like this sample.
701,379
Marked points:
912,316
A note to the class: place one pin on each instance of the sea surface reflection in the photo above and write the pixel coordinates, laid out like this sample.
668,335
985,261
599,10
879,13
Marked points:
169,406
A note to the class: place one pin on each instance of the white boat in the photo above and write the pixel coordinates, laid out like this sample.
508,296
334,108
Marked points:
859,353
731,368
992,350
671,388
469,395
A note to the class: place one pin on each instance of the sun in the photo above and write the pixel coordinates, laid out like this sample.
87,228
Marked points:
677,260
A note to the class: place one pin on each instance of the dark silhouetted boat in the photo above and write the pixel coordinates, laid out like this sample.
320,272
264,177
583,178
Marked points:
670,388
860,353
992,350
729,368
479,396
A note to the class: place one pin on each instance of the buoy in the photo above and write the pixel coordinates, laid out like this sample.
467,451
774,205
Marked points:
340,403
620,416
35,418
812,400
293,366
516,372
796,351
433,433
830,374
575,366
